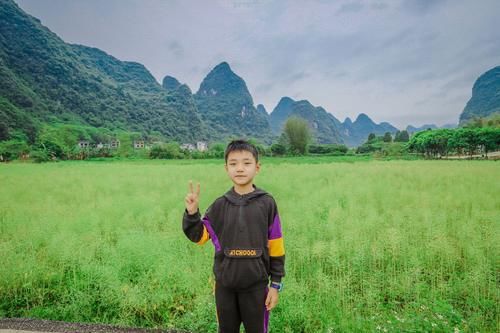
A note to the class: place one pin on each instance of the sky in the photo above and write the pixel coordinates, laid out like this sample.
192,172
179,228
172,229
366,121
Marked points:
401,61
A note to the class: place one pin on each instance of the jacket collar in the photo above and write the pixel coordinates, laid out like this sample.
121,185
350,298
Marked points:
244,199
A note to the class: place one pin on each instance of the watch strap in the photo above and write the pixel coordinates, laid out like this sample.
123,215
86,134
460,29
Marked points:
277,285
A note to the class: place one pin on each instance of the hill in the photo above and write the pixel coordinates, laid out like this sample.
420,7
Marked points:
485,99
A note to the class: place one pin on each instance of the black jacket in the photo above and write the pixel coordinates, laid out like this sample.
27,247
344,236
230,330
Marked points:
246,233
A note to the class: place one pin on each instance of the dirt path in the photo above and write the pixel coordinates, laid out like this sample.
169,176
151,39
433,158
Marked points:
29,325
494,155
18,331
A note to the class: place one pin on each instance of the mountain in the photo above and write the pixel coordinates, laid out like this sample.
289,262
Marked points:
280,113
47,80
226,106
355,133
412,129
485,98
170,83
324,126
261,110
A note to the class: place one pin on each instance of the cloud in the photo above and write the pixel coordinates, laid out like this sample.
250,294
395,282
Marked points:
422,6
350,7
263,87
176,48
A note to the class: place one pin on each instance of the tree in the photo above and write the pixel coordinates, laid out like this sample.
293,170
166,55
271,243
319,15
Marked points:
470,138
298,134
404,136
489,138
371,137
387,137
4,132
283,140
397,135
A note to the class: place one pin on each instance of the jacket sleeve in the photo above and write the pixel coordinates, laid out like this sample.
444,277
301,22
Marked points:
276,246
194,228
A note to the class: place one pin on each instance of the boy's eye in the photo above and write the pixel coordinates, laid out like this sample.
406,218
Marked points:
248,163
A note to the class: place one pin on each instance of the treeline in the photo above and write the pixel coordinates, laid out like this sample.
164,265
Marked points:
64,142
58,141
61,142
479,136
296,140
173,150
385,145
460,141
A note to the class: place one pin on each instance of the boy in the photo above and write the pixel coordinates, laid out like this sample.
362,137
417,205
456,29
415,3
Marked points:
245,229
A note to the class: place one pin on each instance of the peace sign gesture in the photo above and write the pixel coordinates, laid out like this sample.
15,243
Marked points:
192,198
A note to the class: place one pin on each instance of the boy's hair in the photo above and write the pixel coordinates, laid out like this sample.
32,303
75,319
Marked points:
238,145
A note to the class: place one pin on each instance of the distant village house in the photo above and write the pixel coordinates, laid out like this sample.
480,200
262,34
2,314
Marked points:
83,144
187,146
113,144
200,146
139,144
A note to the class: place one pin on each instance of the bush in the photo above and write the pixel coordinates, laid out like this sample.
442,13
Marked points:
278,149
12,149
169,150
330,149
40,156
366,148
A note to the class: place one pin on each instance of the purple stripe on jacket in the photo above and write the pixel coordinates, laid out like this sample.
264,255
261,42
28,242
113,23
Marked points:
275,229
211,232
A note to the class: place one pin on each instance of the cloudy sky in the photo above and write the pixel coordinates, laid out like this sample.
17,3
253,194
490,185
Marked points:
401,61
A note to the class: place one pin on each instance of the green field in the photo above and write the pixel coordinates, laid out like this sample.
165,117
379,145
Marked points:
378,246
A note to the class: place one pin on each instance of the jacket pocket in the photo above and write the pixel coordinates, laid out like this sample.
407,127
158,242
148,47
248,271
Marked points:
242,268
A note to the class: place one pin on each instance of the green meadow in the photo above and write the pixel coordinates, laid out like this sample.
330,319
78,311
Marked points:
371,246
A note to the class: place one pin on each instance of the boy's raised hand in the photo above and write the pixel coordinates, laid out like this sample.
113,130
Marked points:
192,198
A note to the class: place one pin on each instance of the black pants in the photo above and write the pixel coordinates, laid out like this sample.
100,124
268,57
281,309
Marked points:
234,307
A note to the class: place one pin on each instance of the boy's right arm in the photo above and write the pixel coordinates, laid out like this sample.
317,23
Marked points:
192,225
194,229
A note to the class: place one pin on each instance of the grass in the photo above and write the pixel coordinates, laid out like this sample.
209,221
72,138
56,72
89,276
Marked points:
380,246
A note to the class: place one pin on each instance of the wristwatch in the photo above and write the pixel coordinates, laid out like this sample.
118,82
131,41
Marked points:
277,285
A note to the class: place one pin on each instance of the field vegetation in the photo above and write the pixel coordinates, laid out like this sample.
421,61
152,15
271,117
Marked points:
371,246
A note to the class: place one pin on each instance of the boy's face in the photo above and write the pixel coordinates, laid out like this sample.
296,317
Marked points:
241,167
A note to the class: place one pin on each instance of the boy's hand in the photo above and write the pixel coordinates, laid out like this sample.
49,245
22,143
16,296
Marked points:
272,298
192,198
